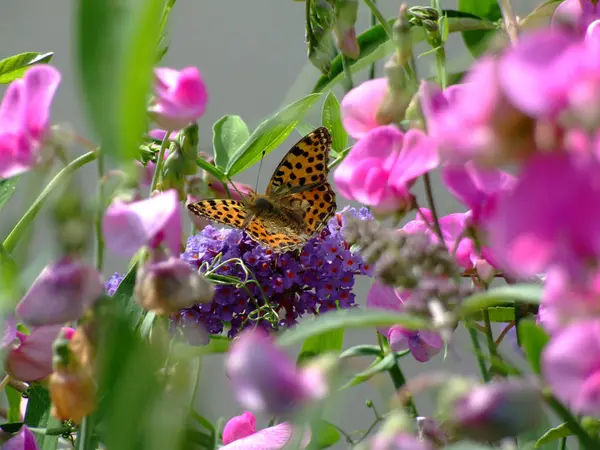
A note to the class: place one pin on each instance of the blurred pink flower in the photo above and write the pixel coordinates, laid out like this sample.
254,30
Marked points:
181,97
158,134
382,167
582,13
9,333
24,119
31,358
423,344
23,440
62,292
266,380
497,131
153,221
548,219
359,107
240,433
571,366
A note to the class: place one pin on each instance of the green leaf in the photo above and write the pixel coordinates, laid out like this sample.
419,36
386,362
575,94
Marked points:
147,324
304,128
553,434
484,9
361,350
229,133
51,442
330,341
8,186
331,117
213,170
325,433
382,365
38,410
269,134
525,293
117,46
11,427
540,16
502,314
123,297
15,66
14,404
217,344
533,340
353,318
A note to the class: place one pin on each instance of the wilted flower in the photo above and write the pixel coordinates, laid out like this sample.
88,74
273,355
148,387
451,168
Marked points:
24,118
152,222
359,107
240,433
382,167
23,440
61,293
266,380
181,97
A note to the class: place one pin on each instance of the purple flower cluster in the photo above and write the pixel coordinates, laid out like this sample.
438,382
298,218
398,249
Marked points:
317,279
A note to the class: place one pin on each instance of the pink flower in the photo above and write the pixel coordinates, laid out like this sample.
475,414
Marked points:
9,334
266,380
474,120
63,292
23,440
24,117
240,434
382,167
571,366
423,344
181,97
476,188
548,219
154,221
580,12
359,107
158,134
31,359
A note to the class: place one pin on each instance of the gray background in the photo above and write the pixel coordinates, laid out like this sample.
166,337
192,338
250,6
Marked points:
253,58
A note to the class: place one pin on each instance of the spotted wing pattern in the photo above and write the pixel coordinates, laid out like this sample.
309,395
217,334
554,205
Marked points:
321,207
279,241
304,165
227,212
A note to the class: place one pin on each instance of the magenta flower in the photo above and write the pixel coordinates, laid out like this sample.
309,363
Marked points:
497,131
181,97
240,433
266,380
31,358
23,440
63,292
24,118
476,187
548,219
581,12
571,366
359,107
152,222
423,344
382,167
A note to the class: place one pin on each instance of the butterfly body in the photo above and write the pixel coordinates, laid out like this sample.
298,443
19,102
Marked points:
297,204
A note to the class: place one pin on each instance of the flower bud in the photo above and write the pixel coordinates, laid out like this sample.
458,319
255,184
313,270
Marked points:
168,285
495,411
344,31
23,440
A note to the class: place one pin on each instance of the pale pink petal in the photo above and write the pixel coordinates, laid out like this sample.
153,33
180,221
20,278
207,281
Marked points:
421,350
272,438
12,109
398,338
32,359
359,107
593,31
41,83
10,332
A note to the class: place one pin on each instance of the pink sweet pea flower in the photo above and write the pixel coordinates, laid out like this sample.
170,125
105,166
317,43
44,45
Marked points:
154,221
240,433
423,344
580,12
63,292
31,359
571,366
266,380
359,107
23,440
181,97
548,219
24,118
382,167
9,334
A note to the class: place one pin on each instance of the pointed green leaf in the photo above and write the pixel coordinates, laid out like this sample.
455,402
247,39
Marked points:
38,410
269,134
8,187
330,341
14,404
229,133
15,66
325,433
378,366
533,340
524,293
331,117
361,350
484,9
553,434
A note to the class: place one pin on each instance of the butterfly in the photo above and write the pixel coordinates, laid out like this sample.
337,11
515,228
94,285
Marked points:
297,204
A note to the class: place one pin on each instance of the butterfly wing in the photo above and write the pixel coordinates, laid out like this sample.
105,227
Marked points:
304,166
278,240
319,207
227,212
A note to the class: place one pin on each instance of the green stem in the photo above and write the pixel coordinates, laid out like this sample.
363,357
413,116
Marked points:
585,439
440,53
100,213
347,73
85,439
510,20
399,382
384,23
475,340
17,232
563,444
431,203
488,333
160,162
373,23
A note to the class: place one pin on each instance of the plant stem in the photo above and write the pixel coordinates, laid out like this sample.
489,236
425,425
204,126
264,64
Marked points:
384,23
373,23
160,162
431,203
17,232
399,382
475,340
347,73
440,52
488,333
100,213
585,439
510,21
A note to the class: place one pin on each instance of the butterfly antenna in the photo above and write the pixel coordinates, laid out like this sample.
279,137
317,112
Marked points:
262,157
234,188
